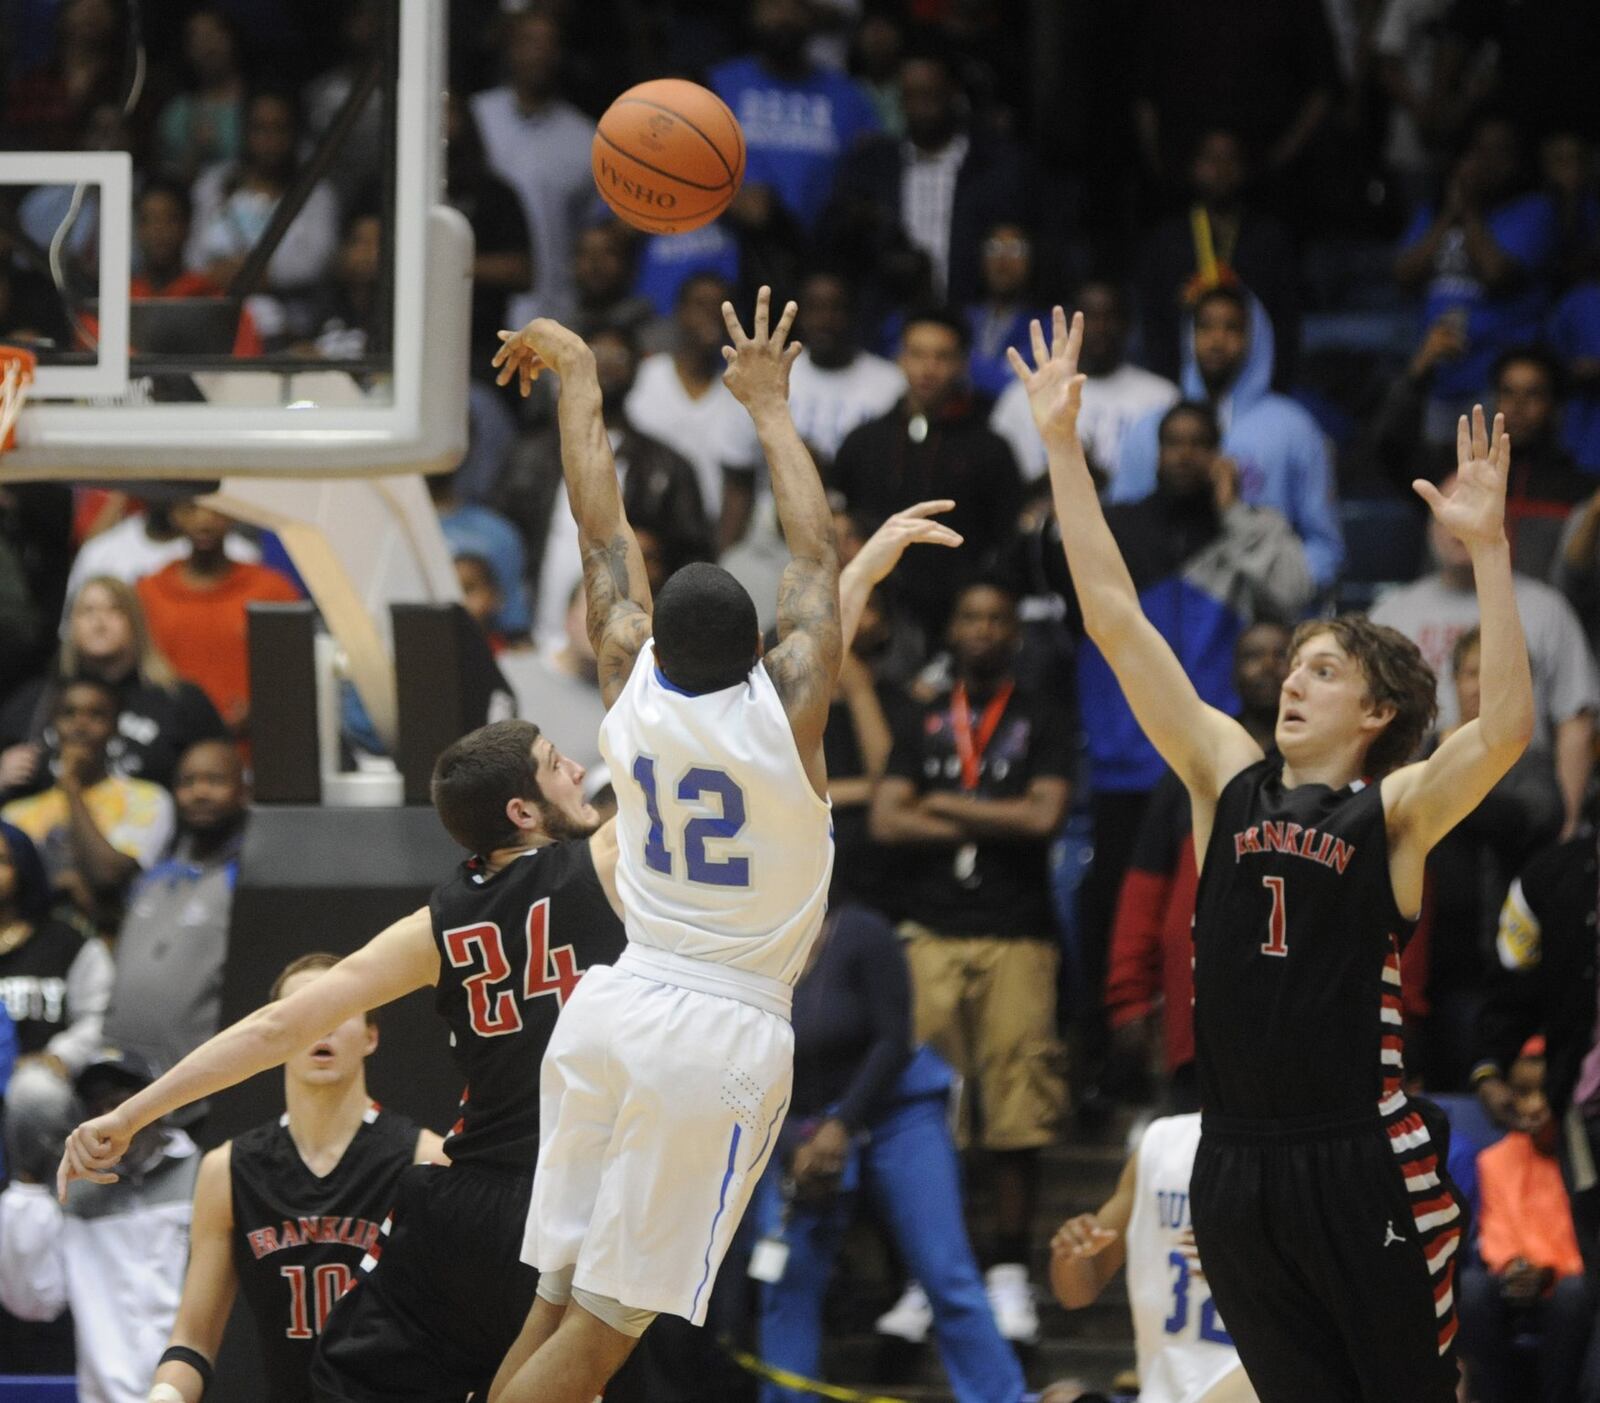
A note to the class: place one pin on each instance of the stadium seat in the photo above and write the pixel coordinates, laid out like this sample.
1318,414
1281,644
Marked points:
1383,542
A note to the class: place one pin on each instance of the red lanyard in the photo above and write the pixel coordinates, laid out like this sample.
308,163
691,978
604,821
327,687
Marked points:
970,748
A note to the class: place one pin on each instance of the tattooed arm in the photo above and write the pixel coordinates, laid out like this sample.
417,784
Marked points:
805,664
614,577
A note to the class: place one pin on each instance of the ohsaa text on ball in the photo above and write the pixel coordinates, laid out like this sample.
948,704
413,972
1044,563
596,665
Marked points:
663,199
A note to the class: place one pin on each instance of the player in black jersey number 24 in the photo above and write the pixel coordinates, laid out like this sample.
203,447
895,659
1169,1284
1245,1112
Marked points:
287,1212
1326,1223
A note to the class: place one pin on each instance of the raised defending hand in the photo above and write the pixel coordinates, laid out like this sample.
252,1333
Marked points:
758,364
913,526
1475,510
92,1151
543,344
1081,1237
1054,386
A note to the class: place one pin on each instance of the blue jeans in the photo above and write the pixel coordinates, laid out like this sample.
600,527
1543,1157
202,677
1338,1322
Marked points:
1556,1330
909,1167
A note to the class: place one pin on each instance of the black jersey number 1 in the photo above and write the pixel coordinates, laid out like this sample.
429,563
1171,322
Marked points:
1277,942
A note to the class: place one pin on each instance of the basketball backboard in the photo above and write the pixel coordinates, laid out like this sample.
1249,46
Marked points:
240,376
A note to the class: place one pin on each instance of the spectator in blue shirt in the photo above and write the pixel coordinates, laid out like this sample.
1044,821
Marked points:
1483,254
1575,337
999,320
1281,455
798,119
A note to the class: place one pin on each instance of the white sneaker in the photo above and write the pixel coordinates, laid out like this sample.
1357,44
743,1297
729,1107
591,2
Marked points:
1011,1300
910,1318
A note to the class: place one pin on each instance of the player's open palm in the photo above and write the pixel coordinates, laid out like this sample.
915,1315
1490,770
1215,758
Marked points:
93,1150
758,363
1054,386
912,526
1474,510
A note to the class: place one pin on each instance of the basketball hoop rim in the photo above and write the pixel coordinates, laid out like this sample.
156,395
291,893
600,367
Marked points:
17,366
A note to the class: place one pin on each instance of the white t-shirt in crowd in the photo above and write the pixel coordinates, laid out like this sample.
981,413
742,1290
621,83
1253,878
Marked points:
1433,615
702,430
1111,403
545,157
827,404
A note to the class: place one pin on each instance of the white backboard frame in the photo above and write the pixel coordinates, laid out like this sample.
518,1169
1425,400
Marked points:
420,425
111,172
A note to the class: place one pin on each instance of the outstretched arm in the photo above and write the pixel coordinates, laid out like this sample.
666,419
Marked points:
397,960
614,577
881,553
211,1281
1205,747
1087,1251
805,664
1425,801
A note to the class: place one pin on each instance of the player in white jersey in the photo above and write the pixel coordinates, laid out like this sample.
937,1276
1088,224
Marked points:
1184,1353
667,1077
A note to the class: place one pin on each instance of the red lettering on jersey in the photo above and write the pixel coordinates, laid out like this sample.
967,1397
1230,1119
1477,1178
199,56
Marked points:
1321,854
1238,846
1306,842
1291,837
1252,839
262,1242
291,1236
312,1229
1342,853
1272,836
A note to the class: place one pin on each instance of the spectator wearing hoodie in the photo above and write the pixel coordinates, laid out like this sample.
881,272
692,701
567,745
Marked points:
1281,456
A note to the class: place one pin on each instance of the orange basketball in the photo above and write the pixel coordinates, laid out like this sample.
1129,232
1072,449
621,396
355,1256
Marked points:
668,156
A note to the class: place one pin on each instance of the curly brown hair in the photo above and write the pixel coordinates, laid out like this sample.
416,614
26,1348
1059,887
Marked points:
1396,676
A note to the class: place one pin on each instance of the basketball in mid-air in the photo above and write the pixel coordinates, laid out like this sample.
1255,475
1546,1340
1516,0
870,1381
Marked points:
668,156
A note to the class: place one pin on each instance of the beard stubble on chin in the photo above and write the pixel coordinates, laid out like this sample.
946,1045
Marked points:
561,827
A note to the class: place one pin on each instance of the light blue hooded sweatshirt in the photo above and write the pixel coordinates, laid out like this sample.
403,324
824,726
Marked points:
1281,453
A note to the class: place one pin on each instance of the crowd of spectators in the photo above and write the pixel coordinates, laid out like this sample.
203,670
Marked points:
1305,236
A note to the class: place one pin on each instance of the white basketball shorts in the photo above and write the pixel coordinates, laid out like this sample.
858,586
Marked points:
659,1108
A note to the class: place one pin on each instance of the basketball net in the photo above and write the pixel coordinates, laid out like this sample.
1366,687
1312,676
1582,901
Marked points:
16,374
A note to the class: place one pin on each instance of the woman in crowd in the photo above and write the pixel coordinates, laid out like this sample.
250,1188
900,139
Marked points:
159,716
55,979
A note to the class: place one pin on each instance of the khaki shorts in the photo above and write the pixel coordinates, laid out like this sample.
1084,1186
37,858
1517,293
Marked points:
988,1007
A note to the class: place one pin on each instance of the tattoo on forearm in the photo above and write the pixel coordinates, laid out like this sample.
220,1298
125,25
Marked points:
617,623
803,669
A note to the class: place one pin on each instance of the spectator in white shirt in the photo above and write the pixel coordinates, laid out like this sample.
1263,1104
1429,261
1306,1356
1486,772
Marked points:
540,146
113,1255
1434,611
679,396
1116,394
833,386
234,204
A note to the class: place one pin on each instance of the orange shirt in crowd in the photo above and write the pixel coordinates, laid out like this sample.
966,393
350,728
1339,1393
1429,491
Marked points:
203,631
1525,1211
